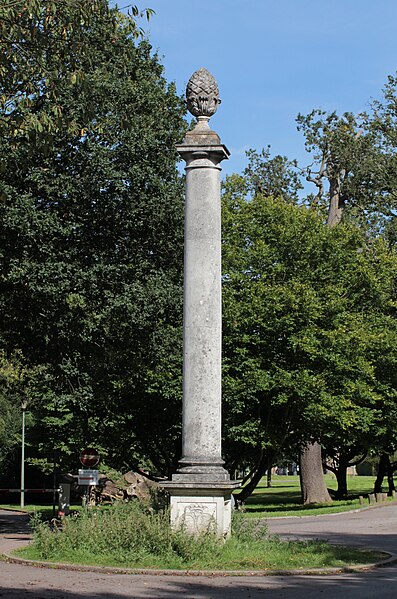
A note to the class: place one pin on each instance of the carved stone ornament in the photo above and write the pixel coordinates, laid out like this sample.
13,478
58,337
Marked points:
202,94
199,518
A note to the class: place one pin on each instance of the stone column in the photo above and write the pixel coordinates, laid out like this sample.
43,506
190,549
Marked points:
201,488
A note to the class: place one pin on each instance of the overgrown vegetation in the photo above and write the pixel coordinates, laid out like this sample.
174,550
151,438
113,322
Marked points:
134,535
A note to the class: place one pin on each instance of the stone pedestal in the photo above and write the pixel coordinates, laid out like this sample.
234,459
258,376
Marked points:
201,508
201,488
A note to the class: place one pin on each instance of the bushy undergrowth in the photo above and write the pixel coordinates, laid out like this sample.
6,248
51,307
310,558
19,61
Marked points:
135,535
127,533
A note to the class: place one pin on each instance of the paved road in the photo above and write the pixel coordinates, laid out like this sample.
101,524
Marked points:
376,527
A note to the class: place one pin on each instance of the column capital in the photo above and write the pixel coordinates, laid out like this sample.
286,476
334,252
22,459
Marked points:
190,152
202,142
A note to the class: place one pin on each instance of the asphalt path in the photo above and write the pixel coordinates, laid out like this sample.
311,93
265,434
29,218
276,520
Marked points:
375,528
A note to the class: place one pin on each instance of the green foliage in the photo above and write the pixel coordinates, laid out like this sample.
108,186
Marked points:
42,46
356,158
15,386
309,314
351,161
92,221
275,176
246,530
128,532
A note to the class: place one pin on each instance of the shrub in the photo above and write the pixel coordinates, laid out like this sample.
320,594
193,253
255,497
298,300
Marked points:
248,530
127,531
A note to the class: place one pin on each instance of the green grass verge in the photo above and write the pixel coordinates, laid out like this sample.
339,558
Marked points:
232,555
134,536
284,498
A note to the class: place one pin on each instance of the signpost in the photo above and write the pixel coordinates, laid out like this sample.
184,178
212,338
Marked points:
89,458
88,477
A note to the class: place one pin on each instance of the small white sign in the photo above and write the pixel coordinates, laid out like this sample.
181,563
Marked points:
88,477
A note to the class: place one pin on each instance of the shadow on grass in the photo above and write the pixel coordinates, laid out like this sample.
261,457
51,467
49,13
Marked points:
291,502
275,497
270,489
283,498
255,508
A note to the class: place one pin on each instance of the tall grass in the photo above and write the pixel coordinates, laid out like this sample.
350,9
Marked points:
135,535
130,533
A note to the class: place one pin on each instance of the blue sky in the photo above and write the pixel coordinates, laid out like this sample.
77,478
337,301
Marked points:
274,59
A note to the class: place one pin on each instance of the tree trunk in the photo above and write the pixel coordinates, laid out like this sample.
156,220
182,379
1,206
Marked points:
248,476
341,478
335,201
390,480
311,475
249,488
269,472
384,462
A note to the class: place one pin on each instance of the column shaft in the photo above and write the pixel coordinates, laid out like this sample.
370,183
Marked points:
202,314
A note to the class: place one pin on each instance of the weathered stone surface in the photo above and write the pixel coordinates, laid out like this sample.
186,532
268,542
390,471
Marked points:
201,488
202,94
201,421
209,511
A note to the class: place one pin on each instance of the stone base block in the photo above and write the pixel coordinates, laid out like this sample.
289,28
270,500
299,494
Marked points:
203,508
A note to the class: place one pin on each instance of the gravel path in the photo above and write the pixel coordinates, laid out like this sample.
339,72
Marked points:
376,528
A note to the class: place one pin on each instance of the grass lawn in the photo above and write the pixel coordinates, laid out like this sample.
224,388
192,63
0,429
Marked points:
283,498
132,536
128,536
233,555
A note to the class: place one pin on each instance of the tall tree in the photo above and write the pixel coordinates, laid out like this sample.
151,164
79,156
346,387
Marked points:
294,294
275,176
92,227
354,169
359,171
334,141
43,49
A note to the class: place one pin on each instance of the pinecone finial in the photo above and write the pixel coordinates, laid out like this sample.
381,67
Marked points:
202,94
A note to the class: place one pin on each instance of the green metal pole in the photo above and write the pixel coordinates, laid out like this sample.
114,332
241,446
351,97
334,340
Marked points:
23,460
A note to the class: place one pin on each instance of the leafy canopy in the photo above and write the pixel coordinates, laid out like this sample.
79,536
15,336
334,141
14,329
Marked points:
91,220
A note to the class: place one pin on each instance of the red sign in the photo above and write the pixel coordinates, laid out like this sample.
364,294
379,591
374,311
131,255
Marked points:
89,457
